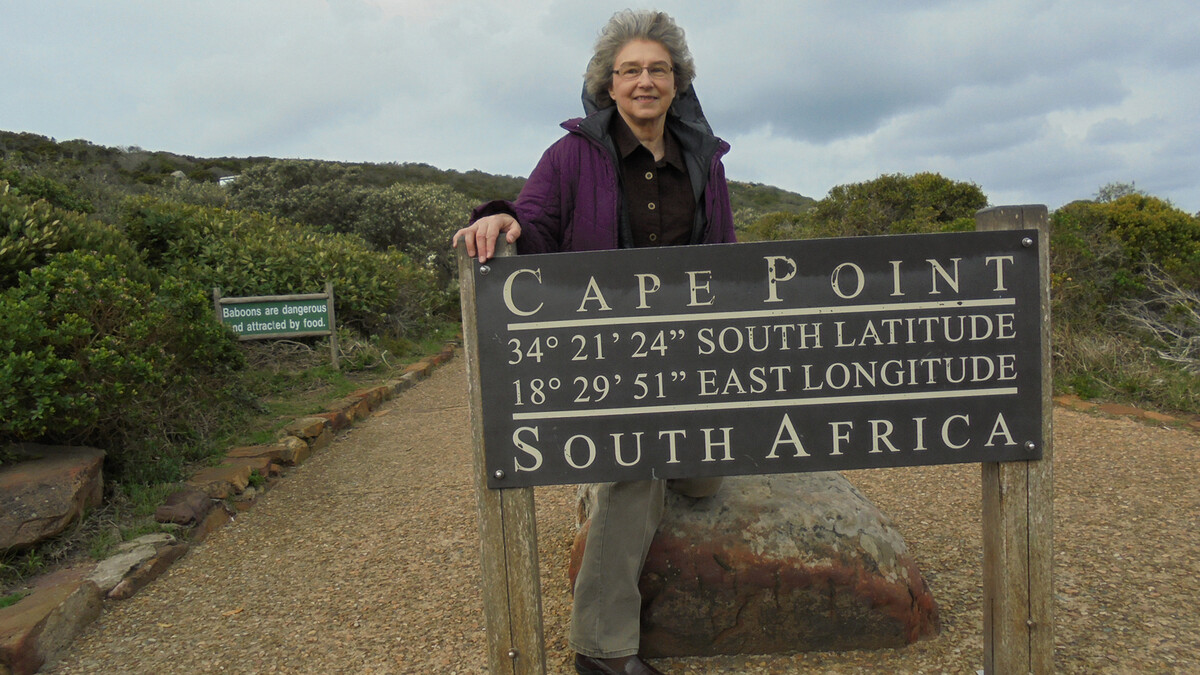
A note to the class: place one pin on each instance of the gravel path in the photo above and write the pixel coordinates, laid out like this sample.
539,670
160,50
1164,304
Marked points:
365,560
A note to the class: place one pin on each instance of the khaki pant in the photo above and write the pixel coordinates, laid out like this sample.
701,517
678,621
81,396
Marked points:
606,616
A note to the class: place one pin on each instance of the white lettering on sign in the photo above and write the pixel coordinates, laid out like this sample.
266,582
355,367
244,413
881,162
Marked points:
508,295
849,354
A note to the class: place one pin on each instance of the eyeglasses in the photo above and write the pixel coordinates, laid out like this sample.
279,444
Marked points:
658,71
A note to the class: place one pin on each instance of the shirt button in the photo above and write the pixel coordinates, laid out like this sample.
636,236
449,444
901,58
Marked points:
649,175
650,206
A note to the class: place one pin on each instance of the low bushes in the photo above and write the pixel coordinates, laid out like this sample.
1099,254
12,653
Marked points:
1125,289
32,230
97,348
34,186
889,204
1125,276
109,338
416,218
247,253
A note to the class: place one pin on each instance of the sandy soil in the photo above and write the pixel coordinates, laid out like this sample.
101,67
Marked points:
365,560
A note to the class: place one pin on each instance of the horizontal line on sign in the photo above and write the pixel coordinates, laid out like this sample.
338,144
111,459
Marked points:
744,405
763,313
273,298
268,336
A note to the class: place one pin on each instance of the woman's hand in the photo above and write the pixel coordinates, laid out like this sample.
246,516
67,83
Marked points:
480,236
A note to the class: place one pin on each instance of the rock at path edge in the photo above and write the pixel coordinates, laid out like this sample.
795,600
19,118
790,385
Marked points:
776,564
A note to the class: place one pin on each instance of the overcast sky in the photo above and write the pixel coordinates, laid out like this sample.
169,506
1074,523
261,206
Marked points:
1034,101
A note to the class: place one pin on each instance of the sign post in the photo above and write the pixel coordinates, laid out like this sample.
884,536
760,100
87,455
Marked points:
756,358
1018,498
512,592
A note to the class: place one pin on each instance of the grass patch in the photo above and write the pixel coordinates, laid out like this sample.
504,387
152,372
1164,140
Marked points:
103,543
12,598
128,513
16,567
295,379
1114,367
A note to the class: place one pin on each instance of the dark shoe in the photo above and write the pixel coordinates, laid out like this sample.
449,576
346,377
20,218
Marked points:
586,665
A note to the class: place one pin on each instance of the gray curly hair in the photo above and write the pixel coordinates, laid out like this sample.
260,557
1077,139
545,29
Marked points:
626,26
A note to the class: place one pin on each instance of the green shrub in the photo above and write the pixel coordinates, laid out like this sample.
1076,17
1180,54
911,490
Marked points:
34,186
1124,283
890,204
246,253
896,203
1101,254
774,226
324,195
416,219
92,355
97,348
32,231
38,374
195,191
1086,263
1155,232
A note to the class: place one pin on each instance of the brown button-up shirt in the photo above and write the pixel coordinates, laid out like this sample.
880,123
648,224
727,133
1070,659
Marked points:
658,195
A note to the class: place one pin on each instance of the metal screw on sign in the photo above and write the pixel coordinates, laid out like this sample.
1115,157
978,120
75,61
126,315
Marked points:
484,269
1027,242
1030,446
499,474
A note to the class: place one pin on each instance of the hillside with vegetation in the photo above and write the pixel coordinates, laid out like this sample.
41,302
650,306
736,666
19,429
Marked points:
150,233
1125,277
108,257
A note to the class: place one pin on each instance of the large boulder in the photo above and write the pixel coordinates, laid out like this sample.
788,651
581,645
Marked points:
773,564
41,496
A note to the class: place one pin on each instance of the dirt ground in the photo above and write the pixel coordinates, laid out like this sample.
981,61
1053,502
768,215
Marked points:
366,560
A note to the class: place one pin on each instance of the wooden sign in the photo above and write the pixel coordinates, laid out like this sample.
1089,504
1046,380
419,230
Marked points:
758,358
1017,503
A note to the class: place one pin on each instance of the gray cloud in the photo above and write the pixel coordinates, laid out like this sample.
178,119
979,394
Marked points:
1034,101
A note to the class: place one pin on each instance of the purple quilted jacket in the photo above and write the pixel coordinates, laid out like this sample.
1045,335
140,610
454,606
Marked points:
571,201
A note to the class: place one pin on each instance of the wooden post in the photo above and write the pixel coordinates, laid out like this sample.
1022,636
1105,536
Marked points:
333,339
512,593
1018,529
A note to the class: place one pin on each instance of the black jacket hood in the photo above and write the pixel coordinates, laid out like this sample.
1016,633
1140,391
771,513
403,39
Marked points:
686,119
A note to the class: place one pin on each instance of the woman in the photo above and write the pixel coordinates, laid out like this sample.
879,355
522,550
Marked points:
642,169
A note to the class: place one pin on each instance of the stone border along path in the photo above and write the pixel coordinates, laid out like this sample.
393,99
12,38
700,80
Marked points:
1073,402
330,511
37,629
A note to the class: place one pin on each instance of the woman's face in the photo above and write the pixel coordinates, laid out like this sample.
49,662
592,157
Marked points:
643,99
